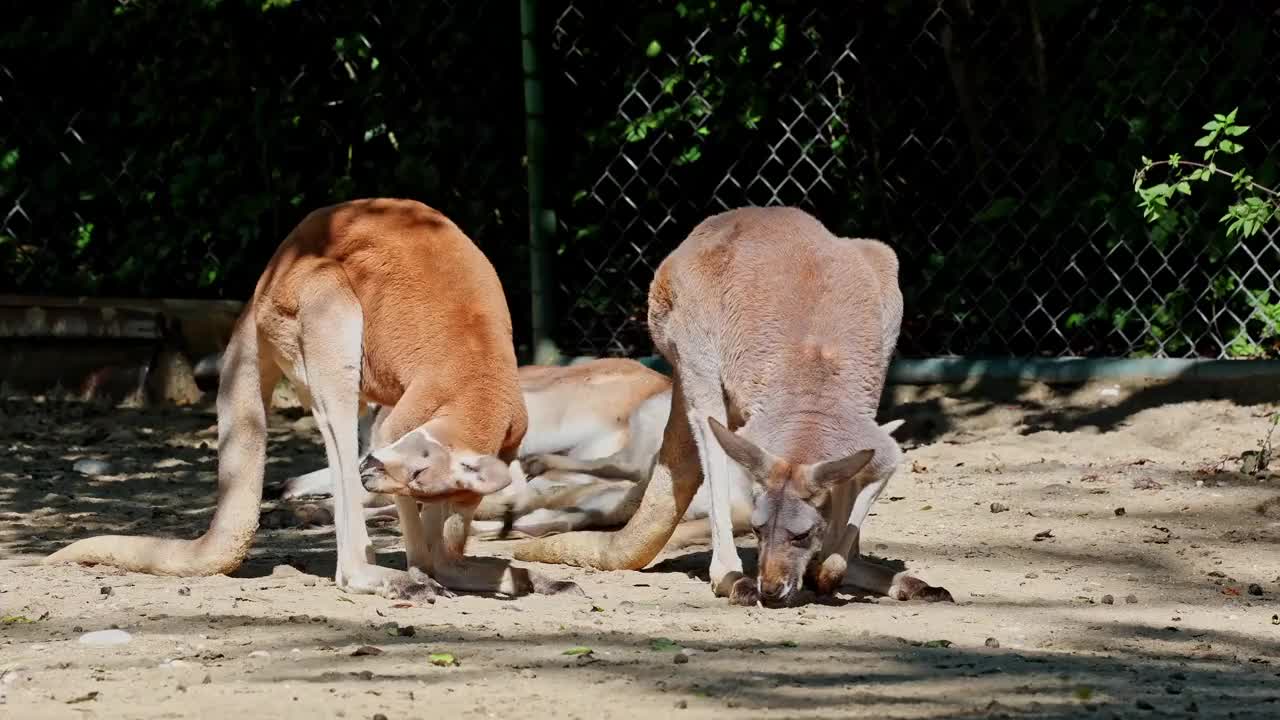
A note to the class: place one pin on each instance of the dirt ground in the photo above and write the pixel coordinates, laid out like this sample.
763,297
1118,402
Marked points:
1135,573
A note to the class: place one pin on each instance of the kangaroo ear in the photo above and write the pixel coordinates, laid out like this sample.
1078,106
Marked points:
754,459
825,476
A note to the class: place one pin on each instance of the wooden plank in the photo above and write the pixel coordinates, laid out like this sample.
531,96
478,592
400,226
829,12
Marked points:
79,322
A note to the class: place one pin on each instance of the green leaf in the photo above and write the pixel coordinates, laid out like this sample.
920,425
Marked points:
84,236
442,659
689,156
578,650
664,645
1211,125
1236,130
999,208
1206,140
15,620
779,37
9,160
653,48
1229,147
1183,187
1231,116
1075,320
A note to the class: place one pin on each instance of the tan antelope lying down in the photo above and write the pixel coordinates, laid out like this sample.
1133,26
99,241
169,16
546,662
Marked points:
594,431
383,301
779,335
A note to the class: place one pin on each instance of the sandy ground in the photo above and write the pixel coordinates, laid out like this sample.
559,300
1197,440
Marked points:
1066,605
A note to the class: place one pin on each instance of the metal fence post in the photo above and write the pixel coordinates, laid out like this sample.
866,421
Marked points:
541,218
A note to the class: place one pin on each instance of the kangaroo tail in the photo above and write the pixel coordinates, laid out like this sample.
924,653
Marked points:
242,443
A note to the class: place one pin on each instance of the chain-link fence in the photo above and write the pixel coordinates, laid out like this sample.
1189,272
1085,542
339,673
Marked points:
164,149
161,149
992,144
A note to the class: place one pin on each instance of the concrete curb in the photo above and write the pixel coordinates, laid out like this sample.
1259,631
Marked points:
923,371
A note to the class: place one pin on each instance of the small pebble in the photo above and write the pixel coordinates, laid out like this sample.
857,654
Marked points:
379,716
1119,512
184,591
92,467
105,590
259,653
992,643
1255,589
77,629
682,704
999,507
1144,705
207,680
1108,600
102,638
680,659
1032,575
1131,599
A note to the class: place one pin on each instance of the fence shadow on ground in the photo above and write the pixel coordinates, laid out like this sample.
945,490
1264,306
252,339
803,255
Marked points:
866,671
1059,407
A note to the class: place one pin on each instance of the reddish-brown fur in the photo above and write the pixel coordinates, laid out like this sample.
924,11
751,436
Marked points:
381,299
401,259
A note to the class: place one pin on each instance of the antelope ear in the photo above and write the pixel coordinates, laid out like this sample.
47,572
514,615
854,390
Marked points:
754,459
490,475
892,426
826,475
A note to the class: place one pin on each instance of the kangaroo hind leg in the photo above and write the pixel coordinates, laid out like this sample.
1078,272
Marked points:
331,345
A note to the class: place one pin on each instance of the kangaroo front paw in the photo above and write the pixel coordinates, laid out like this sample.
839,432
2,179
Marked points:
910,588
744,592
933,593
414,586
827,577
547,586
740,589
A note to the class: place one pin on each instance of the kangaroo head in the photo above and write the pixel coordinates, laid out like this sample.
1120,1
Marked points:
787,515
419,467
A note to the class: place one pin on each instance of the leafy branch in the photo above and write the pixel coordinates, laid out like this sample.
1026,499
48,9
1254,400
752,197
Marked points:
1256,206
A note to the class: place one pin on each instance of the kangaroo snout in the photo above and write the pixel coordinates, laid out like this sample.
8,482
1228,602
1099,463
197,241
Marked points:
775,592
